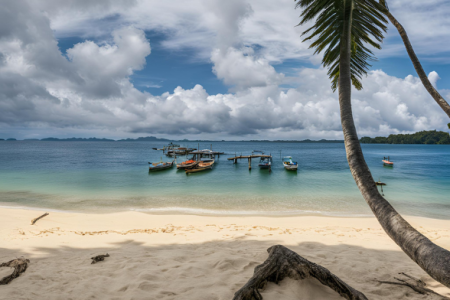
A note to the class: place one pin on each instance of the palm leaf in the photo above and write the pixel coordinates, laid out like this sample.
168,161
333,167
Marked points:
368,27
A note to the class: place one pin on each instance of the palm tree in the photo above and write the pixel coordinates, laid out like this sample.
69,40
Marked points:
412,55
343,28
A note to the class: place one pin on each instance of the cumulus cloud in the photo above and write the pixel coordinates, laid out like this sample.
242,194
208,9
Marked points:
101,67
88,89
433,77
242,69
269,24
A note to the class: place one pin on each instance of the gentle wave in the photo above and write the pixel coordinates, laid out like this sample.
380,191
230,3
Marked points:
202,211
37,209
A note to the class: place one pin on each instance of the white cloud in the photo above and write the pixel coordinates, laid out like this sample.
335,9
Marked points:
103,67
204,24
242,70
433,77
90,89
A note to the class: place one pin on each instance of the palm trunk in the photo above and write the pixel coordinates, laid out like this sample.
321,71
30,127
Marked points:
430,257
412,55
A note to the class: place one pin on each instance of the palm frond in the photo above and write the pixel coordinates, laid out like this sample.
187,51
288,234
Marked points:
368,28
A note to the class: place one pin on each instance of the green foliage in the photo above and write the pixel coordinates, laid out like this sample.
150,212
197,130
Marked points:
368,25
422,137
448,125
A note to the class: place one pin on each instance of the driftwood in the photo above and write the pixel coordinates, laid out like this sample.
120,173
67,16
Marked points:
98,258
416,284
19,265
38,218
283,263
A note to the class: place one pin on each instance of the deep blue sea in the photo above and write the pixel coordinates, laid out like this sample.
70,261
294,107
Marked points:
113,176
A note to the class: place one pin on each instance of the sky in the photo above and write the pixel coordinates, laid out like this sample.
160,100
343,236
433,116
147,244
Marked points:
204,69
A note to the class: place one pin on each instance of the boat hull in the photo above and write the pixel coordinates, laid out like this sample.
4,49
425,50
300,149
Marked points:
291,167
195,170
387,163
186,166
264,166
160,167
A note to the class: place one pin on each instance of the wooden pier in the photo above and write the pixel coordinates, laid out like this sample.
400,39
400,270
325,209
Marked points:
206,153
249,157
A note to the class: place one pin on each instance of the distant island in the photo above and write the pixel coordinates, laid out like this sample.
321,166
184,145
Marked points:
93,139
155,139
51,139
145,139
298,141
423,137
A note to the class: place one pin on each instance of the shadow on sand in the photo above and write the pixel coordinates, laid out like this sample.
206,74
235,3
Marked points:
211,270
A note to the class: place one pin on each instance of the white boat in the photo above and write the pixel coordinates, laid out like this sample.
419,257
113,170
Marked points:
289,164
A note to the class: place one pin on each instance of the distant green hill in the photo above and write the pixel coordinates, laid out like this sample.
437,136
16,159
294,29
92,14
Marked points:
422,137
144,139
51,139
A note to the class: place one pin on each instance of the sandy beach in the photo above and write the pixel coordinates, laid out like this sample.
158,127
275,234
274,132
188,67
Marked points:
198,257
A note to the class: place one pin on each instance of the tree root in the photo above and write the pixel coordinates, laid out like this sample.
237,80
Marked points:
19,265
38,218
283,263
98,258
416,284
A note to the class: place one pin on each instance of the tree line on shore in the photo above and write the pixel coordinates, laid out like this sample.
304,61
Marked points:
432,137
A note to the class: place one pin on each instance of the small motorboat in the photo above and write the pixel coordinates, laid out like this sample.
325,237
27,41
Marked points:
289,164
265,162
160,166
187,164
201,166
387,162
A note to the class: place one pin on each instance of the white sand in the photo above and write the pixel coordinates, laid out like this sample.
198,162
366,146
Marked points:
195,257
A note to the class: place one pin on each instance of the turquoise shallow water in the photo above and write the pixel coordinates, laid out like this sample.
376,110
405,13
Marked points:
113,176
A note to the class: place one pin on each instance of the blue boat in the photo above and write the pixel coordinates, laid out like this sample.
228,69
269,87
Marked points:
160,166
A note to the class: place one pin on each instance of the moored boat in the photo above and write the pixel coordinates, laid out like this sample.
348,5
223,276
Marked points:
289,164
265,162
160,166
201,166
187,164
387,162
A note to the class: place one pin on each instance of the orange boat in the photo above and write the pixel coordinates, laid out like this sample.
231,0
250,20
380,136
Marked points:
187,164
202,166
387,163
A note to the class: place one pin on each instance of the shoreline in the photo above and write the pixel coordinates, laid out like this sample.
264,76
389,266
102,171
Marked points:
200,212
200,257
197,212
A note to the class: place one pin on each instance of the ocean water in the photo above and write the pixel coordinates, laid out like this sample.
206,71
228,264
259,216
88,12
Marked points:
113,176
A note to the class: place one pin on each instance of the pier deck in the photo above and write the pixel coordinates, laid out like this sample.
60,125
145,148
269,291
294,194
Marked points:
249,157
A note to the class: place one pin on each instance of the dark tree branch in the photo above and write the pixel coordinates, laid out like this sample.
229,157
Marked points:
283,263
98,258
38,218
416,284
19,265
